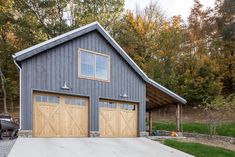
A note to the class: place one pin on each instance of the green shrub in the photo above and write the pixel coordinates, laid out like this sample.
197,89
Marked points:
200,150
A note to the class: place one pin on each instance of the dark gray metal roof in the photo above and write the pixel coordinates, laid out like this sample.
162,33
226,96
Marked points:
29,52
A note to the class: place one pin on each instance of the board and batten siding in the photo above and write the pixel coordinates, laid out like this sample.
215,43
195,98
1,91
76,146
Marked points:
48,70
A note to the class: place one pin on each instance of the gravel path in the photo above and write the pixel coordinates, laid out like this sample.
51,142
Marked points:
5,147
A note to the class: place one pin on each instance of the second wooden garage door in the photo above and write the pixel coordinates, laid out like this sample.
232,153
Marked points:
117,119
59,116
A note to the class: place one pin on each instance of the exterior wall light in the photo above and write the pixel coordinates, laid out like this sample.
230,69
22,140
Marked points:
65,86
124,95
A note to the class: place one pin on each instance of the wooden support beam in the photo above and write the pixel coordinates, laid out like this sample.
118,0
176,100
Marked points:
160,96
152,104
155,100
164,97
156,92
150,123
178,117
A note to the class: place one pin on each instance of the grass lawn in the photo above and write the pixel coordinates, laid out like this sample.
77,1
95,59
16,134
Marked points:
226,129
199,150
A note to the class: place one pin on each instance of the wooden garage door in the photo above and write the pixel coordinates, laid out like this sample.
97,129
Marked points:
117,119
59,116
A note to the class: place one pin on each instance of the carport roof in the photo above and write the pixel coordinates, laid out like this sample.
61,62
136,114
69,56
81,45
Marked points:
170,97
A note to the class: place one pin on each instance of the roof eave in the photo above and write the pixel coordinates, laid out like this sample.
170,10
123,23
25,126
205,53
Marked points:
168,92
31,51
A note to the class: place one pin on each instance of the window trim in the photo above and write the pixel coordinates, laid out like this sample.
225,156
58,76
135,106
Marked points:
94,65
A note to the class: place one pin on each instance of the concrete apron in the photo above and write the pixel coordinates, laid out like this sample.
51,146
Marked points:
90,147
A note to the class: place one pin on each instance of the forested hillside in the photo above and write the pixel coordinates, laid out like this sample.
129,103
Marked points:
194,58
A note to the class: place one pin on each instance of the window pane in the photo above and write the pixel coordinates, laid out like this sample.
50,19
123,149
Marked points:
94,65
114,105
131,107
38,98
67,101
57,99
54,99
86,65
83,102
105,104
51,99
47,99
102,66
44,98
102,74
75,101
100,104
108,104
101,61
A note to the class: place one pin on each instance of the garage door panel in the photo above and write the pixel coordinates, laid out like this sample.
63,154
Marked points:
59,116
119,120
74,121
108,119
47,121
128,124
75,116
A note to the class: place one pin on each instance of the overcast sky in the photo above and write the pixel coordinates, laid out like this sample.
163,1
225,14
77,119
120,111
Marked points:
171,7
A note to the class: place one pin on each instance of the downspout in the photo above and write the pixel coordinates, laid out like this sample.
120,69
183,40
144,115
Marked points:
14,58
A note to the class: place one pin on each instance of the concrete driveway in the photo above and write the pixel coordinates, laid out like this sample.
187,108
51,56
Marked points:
92,147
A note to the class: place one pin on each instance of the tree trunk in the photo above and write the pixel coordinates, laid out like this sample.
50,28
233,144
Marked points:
12,104
4,91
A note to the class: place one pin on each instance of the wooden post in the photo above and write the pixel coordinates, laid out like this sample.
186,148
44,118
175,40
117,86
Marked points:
150,122
177,117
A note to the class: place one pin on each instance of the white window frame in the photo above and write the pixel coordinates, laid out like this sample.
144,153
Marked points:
94,65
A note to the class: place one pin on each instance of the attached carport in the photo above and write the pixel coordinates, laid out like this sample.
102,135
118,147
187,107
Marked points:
158,96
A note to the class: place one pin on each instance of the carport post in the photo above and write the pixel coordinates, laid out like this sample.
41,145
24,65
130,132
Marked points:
150,122
178,117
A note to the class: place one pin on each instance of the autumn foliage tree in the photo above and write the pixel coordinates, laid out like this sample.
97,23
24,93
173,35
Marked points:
137,33
194,58
175,54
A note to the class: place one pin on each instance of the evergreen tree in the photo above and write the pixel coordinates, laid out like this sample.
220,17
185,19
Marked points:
225,43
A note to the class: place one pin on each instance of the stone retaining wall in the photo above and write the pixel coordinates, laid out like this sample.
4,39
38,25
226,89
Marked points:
94,134
25,133
143,134
196,135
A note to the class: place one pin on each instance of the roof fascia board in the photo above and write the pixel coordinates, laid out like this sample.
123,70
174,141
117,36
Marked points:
29,52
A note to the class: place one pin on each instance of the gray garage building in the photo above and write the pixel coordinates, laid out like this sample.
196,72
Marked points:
82,83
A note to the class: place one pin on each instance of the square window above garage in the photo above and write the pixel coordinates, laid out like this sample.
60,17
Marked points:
93,65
